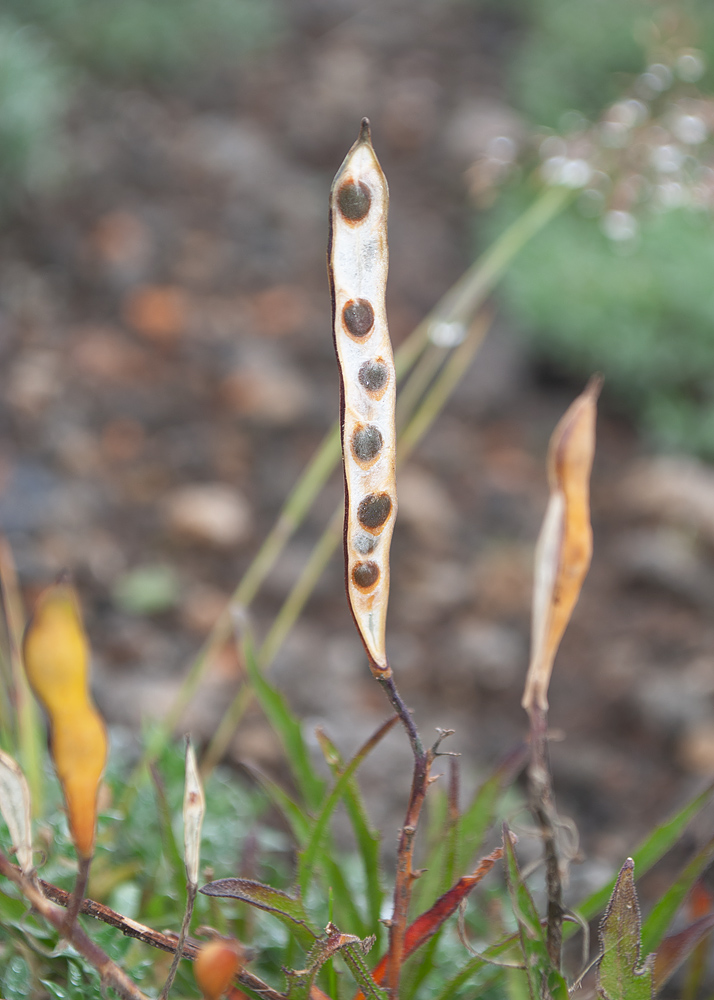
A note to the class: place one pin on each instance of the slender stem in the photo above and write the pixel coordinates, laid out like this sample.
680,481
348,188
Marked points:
110,973
404,878
191,890
78,893
133,929
542,805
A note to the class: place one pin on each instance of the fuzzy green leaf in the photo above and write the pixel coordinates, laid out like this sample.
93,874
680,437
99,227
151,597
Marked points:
619,974
287,908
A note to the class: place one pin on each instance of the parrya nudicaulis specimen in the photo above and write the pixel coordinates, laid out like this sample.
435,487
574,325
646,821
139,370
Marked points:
358,259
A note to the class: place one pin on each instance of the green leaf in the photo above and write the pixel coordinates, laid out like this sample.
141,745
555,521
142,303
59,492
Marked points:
656,925
288,728
309,857
298,822
647,854
329,944
543,978
287,908
619,975
367,838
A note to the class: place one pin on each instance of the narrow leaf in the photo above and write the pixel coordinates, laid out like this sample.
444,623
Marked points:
543,978
663,912
619,975
654,847
676,948
15,808
288,729
308,857
287,908
564,547
367,838
194,808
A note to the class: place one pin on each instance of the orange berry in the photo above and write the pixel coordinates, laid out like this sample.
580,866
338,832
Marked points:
215,966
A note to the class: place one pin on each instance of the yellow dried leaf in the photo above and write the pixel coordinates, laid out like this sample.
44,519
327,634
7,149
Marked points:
57,663
564,546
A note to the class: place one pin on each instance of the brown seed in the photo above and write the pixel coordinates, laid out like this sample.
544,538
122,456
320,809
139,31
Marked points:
358,317
365,575
366,443
354,200
373,376
374,510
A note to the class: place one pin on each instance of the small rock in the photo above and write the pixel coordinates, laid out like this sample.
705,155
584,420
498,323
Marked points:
211,513
425,505
679,490
666,558
496,654
696,749
157,312
271,394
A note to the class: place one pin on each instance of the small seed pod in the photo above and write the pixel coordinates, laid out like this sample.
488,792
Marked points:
358,260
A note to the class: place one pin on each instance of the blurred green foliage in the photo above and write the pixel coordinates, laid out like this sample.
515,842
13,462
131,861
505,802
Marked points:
643,315
47,47
640,311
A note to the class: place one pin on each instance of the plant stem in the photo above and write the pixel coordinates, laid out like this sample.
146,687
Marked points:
78,893
110,973
404,878
133,929
542,805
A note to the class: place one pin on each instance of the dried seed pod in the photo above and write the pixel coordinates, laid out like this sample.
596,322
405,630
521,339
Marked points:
357,264
565,542
57,664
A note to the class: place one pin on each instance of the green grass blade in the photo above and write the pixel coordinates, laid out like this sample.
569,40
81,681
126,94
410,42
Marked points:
309,857
539,969
647,854
300,825
172,854
660,919
367,838
288,729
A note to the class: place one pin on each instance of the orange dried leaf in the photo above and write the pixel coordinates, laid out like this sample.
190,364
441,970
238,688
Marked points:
216,964
57,664
564,546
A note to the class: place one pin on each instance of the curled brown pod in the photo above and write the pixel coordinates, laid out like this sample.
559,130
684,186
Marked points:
358,260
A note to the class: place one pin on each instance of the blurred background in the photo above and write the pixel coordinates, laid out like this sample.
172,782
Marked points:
167,368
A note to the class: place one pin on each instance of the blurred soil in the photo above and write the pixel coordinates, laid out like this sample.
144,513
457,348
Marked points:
166,371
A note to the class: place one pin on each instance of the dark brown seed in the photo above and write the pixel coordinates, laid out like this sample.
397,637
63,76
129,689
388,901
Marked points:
365,574
373,375
374,510
354,200
358,317
366,443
